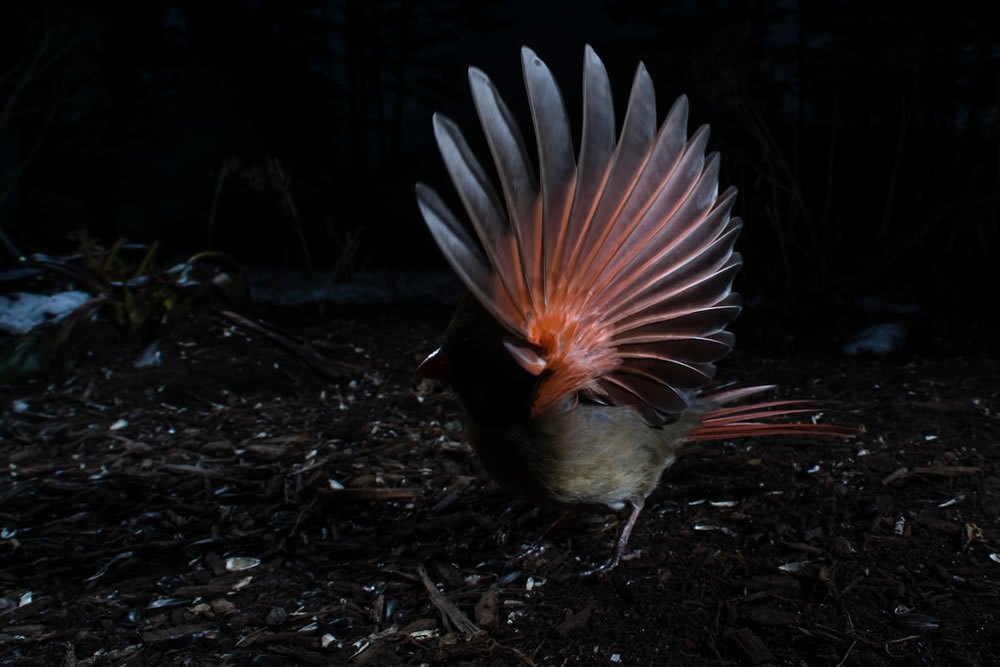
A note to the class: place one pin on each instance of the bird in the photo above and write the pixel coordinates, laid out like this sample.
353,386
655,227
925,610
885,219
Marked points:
598,296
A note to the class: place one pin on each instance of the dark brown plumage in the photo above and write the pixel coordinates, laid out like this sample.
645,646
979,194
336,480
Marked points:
599,297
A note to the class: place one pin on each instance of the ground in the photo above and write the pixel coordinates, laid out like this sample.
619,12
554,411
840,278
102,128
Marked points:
233,506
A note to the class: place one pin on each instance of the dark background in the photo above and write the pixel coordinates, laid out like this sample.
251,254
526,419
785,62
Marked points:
863,138
865,144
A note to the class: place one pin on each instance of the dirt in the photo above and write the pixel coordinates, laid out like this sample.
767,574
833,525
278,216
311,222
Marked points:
235,506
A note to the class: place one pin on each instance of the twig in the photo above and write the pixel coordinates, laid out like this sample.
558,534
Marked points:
449,612
843,661
228,166
940,471
281,182
330,369
400,493
897,158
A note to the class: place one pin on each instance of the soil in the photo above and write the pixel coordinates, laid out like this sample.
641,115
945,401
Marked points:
233,505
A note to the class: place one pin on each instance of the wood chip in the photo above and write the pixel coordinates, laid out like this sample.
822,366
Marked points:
575,621
488,608
751,645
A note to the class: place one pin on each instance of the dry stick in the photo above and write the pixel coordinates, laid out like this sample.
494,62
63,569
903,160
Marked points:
301,348
769,209
31,72
449,611
13,177
843,661
783,235
890,196
766,138
281,182
830,162
214,208
762,133
368,493
782,245
940,471
897,250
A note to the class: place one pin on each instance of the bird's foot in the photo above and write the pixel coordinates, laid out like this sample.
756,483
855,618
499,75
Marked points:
620,554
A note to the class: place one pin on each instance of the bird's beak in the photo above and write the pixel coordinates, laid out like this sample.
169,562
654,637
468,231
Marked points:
435,366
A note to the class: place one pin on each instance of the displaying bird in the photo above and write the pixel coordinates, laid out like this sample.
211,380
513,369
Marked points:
599,295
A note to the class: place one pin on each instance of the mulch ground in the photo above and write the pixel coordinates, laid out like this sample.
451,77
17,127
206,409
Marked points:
233,506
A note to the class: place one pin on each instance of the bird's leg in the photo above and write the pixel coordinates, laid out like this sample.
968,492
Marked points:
637,504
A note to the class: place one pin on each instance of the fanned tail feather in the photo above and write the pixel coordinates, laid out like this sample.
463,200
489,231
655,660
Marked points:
737,421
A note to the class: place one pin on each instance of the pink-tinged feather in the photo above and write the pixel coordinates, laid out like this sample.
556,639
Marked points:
736,421
613,274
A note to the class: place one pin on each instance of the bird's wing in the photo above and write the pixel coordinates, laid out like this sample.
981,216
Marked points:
612,272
